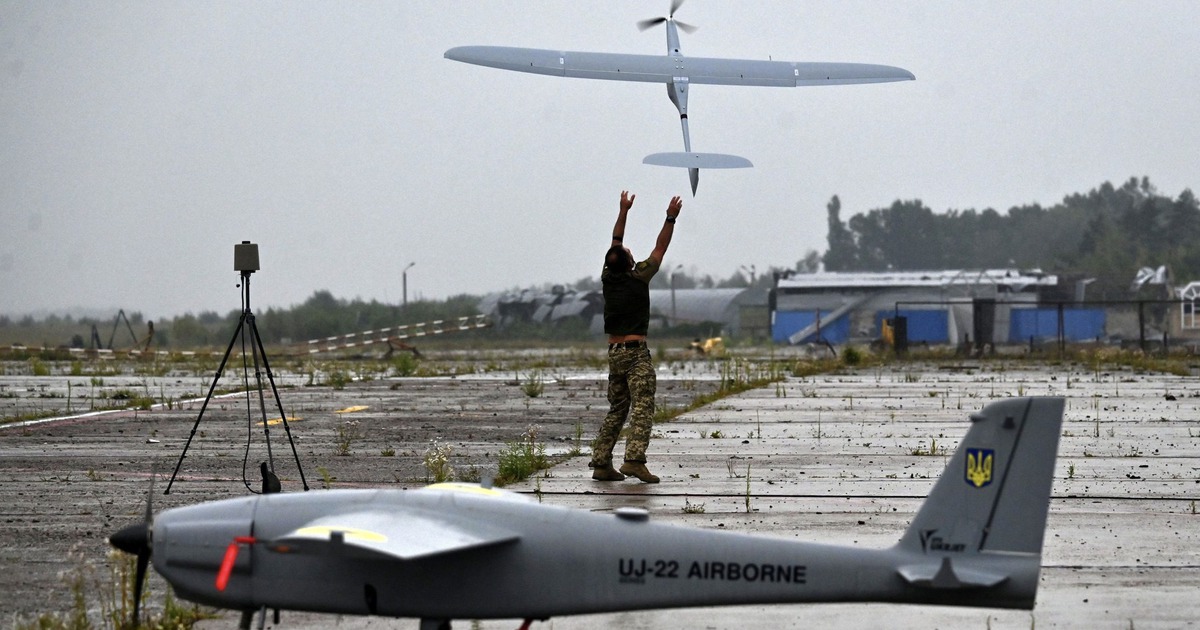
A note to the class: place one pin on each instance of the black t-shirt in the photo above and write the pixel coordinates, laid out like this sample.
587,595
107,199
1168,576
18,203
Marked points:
627,299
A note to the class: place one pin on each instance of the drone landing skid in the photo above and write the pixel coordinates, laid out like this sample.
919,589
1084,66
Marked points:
697,160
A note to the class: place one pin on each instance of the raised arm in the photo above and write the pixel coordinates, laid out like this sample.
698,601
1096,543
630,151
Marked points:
668,228
619,229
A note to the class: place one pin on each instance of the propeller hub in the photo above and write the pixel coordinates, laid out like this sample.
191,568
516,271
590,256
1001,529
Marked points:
132,539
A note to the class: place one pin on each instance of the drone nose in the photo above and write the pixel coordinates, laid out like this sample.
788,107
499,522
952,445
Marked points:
133,539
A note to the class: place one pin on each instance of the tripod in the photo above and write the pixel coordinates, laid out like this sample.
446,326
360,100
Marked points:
247,328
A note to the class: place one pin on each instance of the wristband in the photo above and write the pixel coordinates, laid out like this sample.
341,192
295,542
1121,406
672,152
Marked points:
671,220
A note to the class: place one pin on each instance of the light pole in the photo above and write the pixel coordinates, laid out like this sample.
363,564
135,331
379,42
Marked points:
673,271
404,282
753,273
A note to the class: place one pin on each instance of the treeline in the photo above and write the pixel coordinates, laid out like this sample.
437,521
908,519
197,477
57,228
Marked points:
1108,234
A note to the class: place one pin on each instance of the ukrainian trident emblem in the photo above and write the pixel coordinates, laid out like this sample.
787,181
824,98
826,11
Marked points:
979,466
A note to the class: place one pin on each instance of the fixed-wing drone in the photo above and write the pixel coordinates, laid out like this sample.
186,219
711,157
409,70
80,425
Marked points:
462,551
678,73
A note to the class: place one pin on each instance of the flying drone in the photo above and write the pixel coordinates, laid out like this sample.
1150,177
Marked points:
678,72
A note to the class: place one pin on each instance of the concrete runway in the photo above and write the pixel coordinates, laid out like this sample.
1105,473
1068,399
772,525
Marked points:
847,459
831,459
839,458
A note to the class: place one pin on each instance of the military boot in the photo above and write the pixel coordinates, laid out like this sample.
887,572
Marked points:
638,469
606,473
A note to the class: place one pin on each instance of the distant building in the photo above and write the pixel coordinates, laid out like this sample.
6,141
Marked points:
542,307
939,307
738,312
951,306
731,312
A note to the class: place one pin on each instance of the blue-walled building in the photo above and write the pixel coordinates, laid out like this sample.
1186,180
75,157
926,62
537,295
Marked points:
940,307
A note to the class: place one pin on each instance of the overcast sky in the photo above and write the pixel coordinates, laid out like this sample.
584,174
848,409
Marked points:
139,141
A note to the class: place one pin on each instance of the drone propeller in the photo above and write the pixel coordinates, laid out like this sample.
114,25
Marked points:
135,539
687,28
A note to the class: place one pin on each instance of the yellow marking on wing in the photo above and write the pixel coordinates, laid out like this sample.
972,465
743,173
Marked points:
274,421
465,487
348,532
352,409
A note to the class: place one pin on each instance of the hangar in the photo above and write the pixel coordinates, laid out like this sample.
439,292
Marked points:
988,306
938,307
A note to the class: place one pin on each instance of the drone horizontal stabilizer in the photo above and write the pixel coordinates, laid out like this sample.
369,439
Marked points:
946,576
697,160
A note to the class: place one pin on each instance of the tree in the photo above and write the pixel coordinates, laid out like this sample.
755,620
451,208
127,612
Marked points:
842,254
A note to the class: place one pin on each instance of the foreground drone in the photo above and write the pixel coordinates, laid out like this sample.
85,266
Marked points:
678,72
462,551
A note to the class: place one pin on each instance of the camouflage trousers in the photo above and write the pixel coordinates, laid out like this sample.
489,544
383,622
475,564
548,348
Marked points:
631,385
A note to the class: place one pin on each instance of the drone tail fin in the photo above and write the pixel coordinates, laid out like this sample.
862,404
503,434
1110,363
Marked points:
983,523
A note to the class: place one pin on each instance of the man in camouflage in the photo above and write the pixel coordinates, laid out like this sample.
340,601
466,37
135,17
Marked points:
631,378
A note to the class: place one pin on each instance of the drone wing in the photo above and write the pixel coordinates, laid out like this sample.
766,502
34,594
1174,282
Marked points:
667,69
403,534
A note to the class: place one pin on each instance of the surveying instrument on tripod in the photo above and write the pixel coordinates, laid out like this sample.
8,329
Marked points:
245,261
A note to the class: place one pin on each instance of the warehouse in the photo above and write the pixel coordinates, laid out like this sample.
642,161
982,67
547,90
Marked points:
939,307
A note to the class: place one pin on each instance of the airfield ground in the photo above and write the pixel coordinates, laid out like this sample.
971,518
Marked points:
842,458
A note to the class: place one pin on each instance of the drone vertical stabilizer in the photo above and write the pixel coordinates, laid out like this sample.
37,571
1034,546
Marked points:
994,494
984,521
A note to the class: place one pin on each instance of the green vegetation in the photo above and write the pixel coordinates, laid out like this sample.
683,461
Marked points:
533,385
522,458
102,597
737,376
1107,233
437,463
933,449
347,433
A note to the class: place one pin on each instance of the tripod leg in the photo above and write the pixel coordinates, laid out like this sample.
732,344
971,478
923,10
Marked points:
275,391
211,388
255,349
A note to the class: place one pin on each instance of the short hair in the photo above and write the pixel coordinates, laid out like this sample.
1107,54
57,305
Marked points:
617,259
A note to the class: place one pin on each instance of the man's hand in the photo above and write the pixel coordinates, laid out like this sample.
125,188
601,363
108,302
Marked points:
674,207
626,200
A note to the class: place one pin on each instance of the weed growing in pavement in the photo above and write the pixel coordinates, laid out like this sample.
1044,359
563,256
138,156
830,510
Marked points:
522,458
933,449
692,508
577,443
347,433
405,364
533,385
337,379
737,376
437,462
327,479
108,593
729,464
